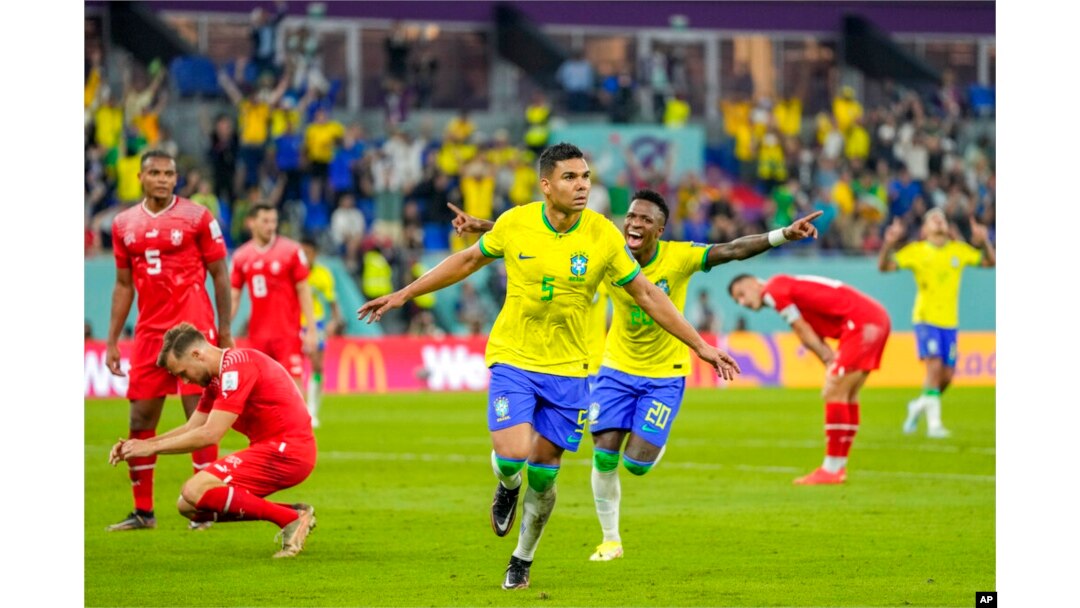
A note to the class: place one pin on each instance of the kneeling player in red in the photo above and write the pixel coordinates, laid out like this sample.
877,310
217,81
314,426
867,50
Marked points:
819,308
252,393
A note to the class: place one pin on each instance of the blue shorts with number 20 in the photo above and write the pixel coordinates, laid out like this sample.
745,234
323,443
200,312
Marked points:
553,405
646,406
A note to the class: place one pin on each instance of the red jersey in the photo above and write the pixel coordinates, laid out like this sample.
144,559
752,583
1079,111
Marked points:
168,253
271,274
262,394
827,305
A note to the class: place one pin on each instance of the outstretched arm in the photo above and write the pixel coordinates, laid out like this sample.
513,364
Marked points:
657,305
229,87
449,271
464,223
885,263
751,245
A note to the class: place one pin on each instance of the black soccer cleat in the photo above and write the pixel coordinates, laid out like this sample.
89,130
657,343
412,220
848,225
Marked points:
503,509
517,574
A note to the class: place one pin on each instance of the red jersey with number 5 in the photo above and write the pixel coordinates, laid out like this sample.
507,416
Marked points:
827,305
262,394
168,253
271,274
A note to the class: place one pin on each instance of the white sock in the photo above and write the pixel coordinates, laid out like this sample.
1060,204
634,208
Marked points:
607,493
535,511
510,483
933,411
834,464
313,387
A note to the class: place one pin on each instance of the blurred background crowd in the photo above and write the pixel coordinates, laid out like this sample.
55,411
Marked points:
362,130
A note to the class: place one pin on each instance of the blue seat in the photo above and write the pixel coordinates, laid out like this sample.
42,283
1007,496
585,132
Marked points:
982,100
436,236
316,217
194,75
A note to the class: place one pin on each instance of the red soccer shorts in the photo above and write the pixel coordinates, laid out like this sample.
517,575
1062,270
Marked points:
861,347
148,381
286,351
267,466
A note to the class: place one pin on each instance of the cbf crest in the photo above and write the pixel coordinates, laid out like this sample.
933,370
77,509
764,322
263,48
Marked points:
594,412
663,284
502,408
579,264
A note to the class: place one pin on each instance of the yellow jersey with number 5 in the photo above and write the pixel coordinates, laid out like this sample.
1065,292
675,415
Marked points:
551,278
635,343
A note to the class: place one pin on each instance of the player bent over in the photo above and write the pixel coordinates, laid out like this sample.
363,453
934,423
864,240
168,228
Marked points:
250,392
819,308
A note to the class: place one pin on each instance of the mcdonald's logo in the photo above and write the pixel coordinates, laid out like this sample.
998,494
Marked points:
367,363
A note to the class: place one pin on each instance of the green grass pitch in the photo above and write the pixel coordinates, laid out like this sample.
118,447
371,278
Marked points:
403,485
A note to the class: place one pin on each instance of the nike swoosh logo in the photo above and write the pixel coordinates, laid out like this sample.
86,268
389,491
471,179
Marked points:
649,429
522,256
574,439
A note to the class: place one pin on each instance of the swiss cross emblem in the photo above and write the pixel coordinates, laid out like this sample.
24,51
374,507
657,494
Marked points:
177,236
275,267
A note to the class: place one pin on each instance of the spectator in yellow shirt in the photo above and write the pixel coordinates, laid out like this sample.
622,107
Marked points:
319,139
254,122
846,109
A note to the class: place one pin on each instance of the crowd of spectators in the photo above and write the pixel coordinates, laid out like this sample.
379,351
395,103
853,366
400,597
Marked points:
379,200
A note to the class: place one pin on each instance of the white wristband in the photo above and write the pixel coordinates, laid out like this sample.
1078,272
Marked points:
776,237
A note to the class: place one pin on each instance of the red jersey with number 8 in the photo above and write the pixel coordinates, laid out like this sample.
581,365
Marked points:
168,253
271,274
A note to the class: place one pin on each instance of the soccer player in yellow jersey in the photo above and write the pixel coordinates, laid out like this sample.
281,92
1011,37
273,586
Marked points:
556,254
636,398
937,262
321,281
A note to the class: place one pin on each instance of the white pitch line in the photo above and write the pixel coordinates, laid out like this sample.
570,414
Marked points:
667,464
772,443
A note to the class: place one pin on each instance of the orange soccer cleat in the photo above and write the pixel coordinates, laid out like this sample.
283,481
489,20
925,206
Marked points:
822,477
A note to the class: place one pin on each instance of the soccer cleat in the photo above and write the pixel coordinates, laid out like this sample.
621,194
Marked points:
199,525
293,535
517,574
607,551
503,509
822,477
134,521
938,433
914,410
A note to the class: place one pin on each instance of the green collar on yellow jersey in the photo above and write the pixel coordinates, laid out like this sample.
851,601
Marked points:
659,244
552,228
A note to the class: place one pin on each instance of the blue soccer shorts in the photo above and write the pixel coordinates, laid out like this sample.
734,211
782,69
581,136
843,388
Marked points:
645,406
934,341
553,405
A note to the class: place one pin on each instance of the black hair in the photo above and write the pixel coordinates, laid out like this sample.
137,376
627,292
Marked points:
260,206
738,277
310,242
155,153
653,197
554,154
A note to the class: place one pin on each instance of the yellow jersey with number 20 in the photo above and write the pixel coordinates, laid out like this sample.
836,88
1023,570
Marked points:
635,343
